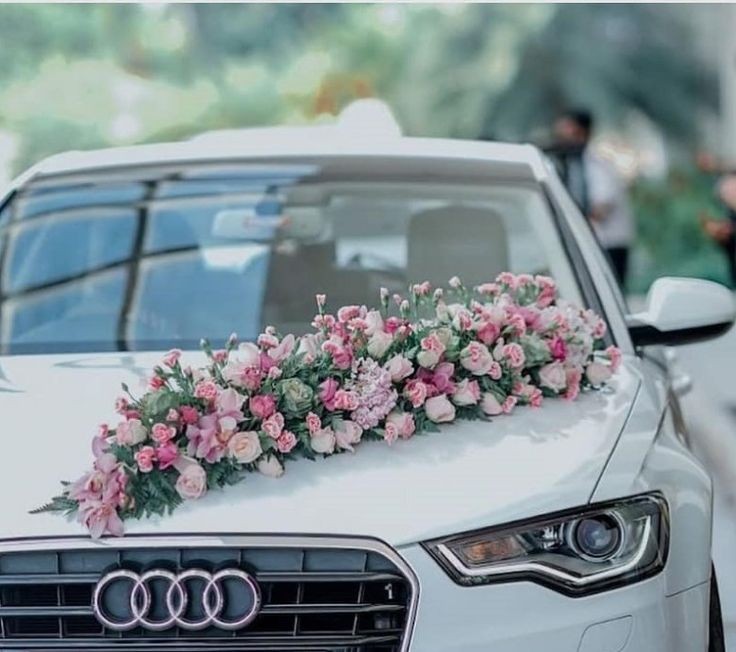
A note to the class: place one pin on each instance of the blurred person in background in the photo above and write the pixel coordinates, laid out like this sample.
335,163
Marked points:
722,231
596,187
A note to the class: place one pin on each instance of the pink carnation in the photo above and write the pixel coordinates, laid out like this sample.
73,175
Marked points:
262,406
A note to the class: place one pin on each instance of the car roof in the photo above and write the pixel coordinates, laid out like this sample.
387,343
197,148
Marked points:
306,143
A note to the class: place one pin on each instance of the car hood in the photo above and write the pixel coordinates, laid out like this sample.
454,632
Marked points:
469,475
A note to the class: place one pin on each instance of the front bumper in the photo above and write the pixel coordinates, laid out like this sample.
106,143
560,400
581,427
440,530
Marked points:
522,616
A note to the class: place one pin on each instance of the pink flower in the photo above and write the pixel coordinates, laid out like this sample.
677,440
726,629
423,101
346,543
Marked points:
476,358
207,390
373,322
509,404
101,518
574,376
145,458
421,289
495,372
283,349
558,348
553,376
490,405
487,332
432,350
121,404
399,368
167,455
273,425
390,433
161,433
156,382
172,358
130,433
323,441
286,441
403,422
439,409
327,391
441,378
189,414
229,403
192,481
514,355
467,392
245,447
262,406
508,279
342,355
614,355
416,392
547,290
597,373
347,434
314,423
345,400
172,415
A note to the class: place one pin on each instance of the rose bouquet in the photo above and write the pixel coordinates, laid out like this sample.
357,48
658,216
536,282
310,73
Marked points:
382,374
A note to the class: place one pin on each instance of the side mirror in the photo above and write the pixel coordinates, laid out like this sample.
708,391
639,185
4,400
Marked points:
682,310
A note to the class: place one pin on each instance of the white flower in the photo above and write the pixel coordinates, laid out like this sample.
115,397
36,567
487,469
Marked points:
399,368
347,434
490,405
553,376
271,467
374,322
323,441
439,409
597,373
379,343
245,447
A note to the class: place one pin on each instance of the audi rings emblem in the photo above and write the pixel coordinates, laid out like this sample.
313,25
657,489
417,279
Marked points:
192,600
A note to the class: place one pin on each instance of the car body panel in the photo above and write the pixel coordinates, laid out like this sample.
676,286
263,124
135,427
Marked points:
472,474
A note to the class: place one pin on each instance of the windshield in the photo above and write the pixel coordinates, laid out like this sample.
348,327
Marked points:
164,259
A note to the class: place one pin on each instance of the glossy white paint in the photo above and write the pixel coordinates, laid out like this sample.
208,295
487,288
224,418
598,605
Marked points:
470,474
675,304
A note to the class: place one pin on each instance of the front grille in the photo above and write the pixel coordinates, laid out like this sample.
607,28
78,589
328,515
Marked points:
330,595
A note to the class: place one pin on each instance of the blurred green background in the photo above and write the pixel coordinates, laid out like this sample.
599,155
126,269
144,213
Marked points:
86,76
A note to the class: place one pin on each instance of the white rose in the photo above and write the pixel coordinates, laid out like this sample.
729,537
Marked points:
249,354
323,441
428,359
379,343
553,376
490,405
130,433
597,373
466,392
192,482
439,409
399,368
245,447
347,434
374,321
271,467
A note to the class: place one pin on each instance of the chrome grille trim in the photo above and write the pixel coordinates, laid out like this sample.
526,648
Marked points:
133,542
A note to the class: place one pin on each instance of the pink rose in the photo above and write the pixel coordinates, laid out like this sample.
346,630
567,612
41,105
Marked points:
167,455
245,447
487,332
327,390
467,392
145,458
514,355
314,423
273,425
130,433
207,390
614,355
270,467
161,433
399,368
286,441
403,422
390,433
476,358
347,434
490,405
558,348
323,441
416,392
189,415
439,409
598,373
509,404
553,376
262,406
172,358
192,481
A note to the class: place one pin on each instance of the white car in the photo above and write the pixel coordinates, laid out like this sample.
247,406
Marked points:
583,526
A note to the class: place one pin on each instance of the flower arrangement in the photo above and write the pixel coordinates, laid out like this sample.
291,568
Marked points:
382,374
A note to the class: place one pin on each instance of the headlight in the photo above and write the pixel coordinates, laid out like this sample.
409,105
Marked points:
576,552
